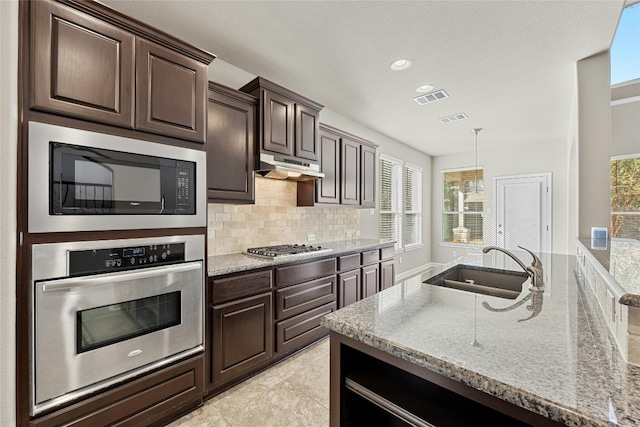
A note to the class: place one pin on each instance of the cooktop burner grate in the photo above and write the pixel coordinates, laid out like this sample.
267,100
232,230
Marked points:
285,250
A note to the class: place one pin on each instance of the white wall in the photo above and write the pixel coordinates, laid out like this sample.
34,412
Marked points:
234,77
625,120
594,142
542,157
8,163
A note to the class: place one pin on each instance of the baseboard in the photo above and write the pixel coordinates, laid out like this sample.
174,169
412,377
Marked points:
415,271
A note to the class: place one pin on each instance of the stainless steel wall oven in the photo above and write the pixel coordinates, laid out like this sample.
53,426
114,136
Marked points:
85,181
105,311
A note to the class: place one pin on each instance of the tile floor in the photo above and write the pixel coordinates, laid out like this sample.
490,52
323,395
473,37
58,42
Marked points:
293,393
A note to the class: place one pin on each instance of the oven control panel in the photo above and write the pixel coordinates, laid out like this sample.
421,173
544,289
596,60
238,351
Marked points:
124,258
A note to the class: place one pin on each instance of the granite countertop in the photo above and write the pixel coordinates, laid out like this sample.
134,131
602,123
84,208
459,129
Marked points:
620,260
218,265
561,363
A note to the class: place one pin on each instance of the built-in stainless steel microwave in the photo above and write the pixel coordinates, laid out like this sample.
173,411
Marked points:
84,181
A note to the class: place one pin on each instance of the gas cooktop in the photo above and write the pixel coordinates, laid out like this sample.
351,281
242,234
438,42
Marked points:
278,251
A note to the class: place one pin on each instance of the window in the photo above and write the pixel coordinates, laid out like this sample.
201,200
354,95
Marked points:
461,221
412,206
625,49
391,201
625,198
400,203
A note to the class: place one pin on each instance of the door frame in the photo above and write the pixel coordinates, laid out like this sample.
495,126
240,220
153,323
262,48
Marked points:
548,214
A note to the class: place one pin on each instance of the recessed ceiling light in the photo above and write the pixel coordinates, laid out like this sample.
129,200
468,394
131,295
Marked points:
400,64
424,88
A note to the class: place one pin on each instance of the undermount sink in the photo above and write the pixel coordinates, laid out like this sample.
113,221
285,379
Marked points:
482,280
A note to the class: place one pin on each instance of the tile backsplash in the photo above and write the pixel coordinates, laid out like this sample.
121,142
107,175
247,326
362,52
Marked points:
275,219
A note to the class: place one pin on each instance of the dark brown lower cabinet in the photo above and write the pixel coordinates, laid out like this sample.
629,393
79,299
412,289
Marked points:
300,330
387,274
370,280
145,401
348,288
242,336
370,387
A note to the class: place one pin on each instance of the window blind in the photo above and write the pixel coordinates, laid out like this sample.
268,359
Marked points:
412,205
391,200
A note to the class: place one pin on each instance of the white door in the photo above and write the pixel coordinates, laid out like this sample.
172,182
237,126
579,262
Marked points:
523,212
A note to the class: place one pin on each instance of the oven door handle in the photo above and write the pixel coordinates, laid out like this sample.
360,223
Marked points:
110,278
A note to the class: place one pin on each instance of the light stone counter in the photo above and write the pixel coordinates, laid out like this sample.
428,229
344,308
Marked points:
561,363
233,263
620,258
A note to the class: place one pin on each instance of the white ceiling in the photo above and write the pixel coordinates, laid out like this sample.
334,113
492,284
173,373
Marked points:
510,65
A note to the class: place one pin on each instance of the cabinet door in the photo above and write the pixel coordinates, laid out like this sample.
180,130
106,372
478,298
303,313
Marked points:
81,66
328,188
370,280
277,123
387,274
348,288
307,127
171,93
350,172
230,149
242,336
368,177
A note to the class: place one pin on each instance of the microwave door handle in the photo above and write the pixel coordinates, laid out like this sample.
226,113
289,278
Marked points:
162,205
110,278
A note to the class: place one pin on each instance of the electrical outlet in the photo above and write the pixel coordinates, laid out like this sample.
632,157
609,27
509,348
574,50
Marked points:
372,211
311,237
488,211
455,254
400,260
349,234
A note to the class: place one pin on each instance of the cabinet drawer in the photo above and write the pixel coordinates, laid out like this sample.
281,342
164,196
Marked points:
348,262
304,272
300,298
370,257
300,330
141,402
386,253
238,286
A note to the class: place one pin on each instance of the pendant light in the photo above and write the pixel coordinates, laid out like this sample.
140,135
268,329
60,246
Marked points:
476,196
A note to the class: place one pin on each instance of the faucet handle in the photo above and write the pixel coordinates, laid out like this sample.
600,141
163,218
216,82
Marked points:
536,261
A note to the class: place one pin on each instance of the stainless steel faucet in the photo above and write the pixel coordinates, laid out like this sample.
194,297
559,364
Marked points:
534,270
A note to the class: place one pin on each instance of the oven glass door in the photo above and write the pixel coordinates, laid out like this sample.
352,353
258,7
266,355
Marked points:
102,326
92,331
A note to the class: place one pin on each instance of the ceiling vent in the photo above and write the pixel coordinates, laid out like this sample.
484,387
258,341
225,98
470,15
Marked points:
430,97
454,118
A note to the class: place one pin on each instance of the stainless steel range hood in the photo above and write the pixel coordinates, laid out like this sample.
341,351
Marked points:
281,167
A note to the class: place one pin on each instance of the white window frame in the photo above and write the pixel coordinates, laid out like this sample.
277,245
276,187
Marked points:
461,208
400,170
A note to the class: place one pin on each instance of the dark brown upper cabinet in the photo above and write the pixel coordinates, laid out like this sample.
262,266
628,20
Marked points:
287,122
350,172
349,165
81,66
367,176
328,188
230,145
171,93
96,64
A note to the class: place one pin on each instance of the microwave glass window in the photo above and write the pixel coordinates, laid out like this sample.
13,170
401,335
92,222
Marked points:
96,181
102,326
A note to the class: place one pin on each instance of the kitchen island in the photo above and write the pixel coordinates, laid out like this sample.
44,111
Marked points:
419,350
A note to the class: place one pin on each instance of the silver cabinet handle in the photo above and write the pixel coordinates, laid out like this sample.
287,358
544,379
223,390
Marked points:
101,279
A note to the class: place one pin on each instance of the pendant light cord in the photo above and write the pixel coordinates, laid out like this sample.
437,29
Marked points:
476,130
